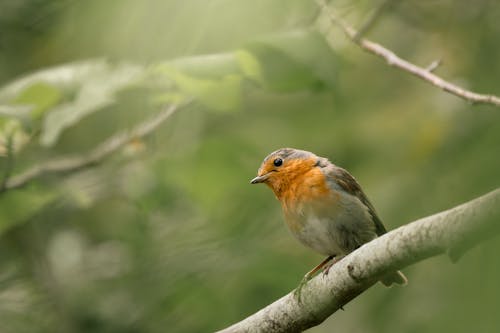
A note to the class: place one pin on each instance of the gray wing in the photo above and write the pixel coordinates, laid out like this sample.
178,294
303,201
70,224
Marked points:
349,184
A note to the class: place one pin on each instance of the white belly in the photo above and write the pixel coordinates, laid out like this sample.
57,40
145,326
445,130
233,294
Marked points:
337,231
316,234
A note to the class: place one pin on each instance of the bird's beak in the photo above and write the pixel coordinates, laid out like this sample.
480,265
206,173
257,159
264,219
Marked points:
259,179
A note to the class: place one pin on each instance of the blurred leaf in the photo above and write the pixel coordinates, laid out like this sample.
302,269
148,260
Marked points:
12,130
40,95
212,66
250,66
284,63
221,94
65,77
30,104
21,112
168,97
308,47
18,206
276,70
95,92
74,90
289,62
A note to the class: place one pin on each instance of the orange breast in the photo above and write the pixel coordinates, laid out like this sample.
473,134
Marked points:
307,194
305,187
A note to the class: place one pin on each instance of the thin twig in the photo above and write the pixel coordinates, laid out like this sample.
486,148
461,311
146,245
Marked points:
73,163
433,65
393,60
453,231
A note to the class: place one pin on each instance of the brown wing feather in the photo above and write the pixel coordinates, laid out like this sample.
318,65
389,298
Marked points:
349,184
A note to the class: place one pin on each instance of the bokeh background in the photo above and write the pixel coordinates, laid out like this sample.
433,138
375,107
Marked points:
167,235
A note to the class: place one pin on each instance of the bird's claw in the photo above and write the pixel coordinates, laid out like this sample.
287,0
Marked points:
298,291
327,267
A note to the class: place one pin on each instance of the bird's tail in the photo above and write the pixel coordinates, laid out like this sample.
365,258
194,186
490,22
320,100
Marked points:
394,277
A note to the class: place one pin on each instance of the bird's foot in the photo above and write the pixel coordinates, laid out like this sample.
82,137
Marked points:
298,291
332,262
327,267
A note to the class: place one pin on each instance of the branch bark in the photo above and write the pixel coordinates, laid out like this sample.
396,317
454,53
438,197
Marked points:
393,59
96,155
453,231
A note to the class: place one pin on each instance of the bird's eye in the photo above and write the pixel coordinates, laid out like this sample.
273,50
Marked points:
277,162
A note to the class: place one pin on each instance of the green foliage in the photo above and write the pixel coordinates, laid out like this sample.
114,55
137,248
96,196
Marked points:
285,63
222,94
40,96
167,233
17,207
69,92
61,97
289,62
92,93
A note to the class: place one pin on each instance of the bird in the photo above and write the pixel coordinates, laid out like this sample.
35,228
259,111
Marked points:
324,207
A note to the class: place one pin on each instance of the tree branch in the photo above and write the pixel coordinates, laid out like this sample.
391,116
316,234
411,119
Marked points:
393,60
453,231
96,155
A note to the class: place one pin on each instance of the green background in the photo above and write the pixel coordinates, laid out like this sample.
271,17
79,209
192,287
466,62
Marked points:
167,235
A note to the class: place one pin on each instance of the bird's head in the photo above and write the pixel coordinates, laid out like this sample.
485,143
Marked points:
283,167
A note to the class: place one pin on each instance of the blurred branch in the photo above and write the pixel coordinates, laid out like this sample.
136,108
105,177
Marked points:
453,231
393,60
95,156
433,65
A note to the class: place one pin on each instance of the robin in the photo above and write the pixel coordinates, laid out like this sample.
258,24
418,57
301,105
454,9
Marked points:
324,206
